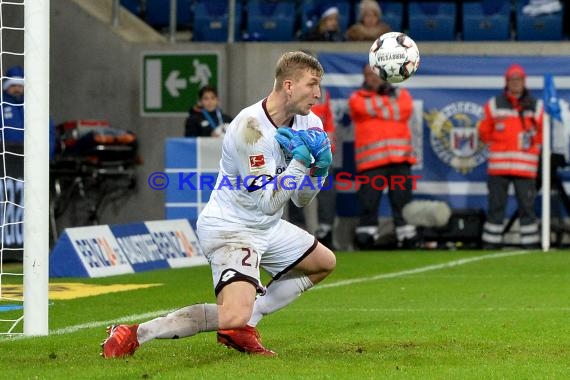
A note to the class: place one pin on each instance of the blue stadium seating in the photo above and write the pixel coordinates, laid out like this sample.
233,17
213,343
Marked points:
488,20
432,21
538,28
271,20
311,11
211,21
134,6
392,14
158,13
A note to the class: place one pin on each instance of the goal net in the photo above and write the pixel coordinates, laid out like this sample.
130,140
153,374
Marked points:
24,178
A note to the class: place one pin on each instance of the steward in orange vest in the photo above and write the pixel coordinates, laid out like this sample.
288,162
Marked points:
512,127
381,132
383,149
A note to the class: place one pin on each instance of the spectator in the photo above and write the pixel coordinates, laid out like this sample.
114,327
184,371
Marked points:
12,109
370,25
383,147
13,106
327,29
512,127
206,118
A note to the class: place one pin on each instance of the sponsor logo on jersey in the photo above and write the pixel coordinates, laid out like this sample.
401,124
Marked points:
259,182
454,136
256,162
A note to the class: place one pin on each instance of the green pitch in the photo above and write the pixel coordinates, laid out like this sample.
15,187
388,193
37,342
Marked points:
381,315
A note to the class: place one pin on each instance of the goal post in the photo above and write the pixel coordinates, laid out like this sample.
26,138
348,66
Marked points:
36,166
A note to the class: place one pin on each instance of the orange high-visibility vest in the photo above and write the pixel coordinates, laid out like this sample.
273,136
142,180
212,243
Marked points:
514,137
381,132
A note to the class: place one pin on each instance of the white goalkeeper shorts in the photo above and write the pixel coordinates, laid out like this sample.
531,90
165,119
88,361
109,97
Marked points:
238,255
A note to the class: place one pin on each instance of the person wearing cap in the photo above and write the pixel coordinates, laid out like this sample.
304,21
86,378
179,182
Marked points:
13,106
328,27
370,25
12,109
512,128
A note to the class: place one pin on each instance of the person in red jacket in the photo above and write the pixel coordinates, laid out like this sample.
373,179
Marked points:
512,128
383,147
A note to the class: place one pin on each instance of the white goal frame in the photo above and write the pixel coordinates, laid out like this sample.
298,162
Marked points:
36,167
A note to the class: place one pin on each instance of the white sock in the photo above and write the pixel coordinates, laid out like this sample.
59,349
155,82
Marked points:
188,321
280,293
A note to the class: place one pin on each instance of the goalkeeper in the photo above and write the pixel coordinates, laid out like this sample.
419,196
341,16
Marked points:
240,230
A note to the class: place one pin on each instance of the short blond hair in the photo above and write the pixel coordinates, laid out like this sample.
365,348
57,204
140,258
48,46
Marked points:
292,64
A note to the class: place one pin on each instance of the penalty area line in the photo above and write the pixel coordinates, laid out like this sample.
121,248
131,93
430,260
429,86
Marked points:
429,268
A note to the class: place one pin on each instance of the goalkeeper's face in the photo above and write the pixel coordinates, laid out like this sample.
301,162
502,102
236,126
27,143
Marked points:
305,92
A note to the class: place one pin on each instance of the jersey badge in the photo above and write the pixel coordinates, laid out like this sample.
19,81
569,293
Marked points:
256,162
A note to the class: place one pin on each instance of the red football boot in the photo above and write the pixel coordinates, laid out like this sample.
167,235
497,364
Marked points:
244,339
122,341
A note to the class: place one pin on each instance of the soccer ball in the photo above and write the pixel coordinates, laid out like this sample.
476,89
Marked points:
394,57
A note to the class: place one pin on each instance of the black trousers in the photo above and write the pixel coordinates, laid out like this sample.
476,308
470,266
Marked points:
525,191
369,197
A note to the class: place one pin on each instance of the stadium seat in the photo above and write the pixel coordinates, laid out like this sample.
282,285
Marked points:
311,11
432,21
134,6
271,20
487,20
392,14
538,28
157,13
211,21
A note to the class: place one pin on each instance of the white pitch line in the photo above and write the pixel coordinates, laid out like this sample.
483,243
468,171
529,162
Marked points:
428,268
441,309
94,324
152,314
127,319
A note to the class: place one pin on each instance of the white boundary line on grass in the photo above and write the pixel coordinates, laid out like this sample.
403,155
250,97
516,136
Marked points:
152,314
428,268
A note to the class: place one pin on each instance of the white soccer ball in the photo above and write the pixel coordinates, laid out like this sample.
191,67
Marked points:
394,57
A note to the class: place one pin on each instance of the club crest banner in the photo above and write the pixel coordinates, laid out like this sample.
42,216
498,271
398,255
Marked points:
449,94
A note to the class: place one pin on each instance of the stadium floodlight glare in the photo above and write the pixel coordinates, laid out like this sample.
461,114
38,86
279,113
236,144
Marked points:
24,33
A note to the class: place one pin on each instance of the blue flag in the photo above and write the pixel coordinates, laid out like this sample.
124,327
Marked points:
551,105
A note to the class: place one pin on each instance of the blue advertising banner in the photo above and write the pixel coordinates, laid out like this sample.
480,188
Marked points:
107,250
12,202
449,94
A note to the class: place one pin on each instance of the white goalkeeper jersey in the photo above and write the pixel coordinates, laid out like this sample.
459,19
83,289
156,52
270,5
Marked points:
255,179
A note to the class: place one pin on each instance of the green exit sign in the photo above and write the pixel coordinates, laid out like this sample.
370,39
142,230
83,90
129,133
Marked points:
171,81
